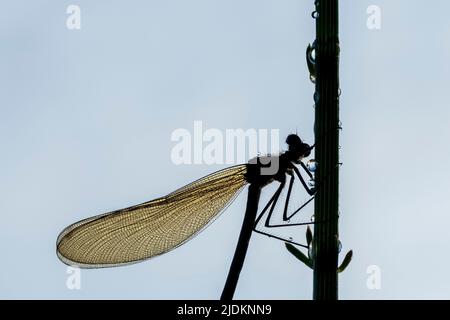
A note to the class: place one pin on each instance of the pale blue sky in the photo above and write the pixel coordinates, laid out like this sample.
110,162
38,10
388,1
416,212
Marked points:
86,118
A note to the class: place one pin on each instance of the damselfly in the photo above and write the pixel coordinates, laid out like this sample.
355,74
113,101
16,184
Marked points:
155,227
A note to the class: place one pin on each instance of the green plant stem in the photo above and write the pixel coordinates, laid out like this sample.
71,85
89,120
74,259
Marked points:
326,151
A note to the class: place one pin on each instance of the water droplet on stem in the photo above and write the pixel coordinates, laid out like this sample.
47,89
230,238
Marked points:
312,165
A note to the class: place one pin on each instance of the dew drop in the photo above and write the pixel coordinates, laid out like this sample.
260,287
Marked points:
311,250
313,54
312,218
312,165
312,183
315,14
339,245
316,97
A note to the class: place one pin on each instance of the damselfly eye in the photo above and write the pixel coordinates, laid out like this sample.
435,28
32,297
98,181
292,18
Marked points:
312,165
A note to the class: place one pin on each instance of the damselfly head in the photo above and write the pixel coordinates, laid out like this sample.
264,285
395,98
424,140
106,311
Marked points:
297,148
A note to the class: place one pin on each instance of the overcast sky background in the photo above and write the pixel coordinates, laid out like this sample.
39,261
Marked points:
86,117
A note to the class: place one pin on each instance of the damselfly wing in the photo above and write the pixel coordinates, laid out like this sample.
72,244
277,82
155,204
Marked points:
152,228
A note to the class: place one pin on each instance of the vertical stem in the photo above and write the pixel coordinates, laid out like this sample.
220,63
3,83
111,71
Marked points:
254,191
326,151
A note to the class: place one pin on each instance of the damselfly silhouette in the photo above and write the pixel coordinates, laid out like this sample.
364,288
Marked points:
155,227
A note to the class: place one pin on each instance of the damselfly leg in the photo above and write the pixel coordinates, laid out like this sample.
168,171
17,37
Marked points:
270,207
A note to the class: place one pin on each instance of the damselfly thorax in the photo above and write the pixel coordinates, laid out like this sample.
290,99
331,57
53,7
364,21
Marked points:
259,169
